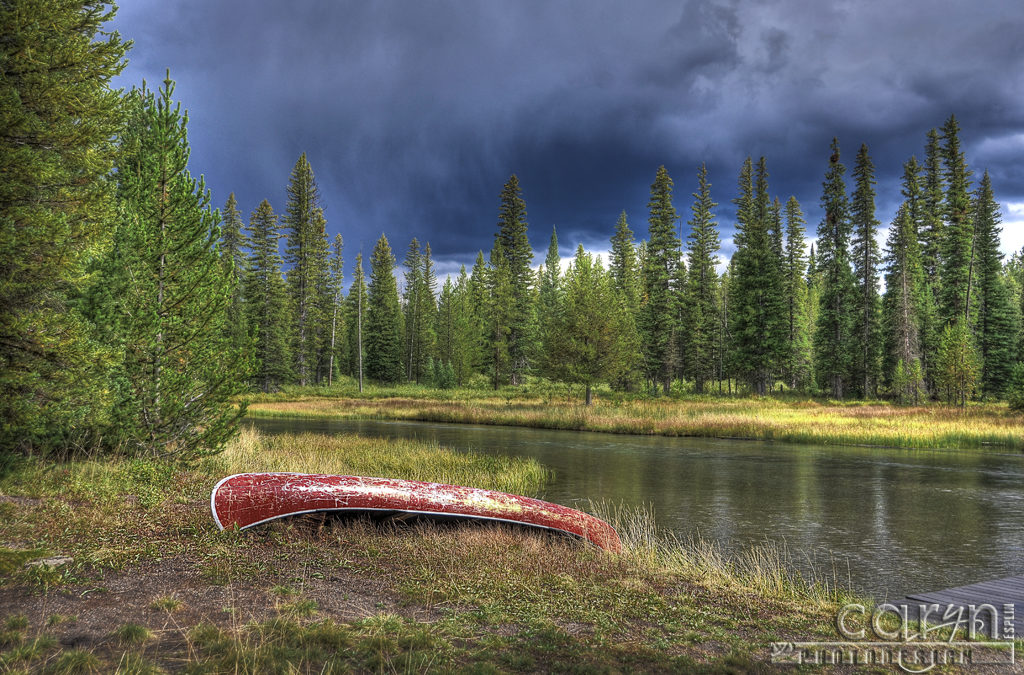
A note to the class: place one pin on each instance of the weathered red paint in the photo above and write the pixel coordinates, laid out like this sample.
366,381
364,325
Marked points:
248,499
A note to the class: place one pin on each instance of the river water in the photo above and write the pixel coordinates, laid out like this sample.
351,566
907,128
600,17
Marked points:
884,522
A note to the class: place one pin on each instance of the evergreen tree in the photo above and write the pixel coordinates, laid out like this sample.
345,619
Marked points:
57,118
514,246
337,278
323,300
701,308
232,254
592,341
812,305
499,311
479,302
467,340
624,267
549,288
266,301
382,329
301,254
866,258
445,330
797,364
180,368
833,336
904,285
957,366
758,314
623,264
958,233
658,319
998,323
356,308
413,307
930,230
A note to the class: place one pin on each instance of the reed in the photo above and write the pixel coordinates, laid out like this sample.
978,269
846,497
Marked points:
976,427
363,456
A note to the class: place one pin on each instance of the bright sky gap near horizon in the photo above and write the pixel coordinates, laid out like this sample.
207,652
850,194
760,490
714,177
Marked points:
413,115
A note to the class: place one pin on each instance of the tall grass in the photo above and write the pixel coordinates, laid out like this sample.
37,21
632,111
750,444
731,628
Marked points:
358,455
770,569
877,424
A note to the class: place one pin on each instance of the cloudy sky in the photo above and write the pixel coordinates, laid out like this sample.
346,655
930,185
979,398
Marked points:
414,114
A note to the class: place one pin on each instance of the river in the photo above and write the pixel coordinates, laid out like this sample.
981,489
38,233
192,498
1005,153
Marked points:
884,522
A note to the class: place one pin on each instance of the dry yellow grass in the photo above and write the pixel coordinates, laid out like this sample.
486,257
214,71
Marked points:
934,426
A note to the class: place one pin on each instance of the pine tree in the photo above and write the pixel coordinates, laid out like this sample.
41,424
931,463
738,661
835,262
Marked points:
413,320
549,288
479,302
658,319
958,233
797,364
624,267
323,300
758,314
623,264
930,229
833,337
467,340
266,301
998,324
180,368
382,331
302,225
232,254
592,341
445,328
356,309
57,118
499,311
904,285
337,278
514,246
957,366
701,308
866,259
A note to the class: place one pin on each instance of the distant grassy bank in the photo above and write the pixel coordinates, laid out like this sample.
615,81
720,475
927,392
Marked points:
154,586
976,427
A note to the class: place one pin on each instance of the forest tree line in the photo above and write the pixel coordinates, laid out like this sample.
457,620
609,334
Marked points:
133,313
784,316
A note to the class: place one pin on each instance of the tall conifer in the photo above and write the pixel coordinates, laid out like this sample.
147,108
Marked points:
658,321
57,121
833,337
382,328
511,240
266,301
866,259
702,287
998,324
180,367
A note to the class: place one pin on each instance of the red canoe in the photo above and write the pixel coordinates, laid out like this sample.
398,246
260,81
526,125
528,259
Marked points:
248,499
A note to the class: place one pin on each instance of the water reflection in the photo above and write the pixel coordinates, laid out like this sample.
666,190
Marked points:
888,521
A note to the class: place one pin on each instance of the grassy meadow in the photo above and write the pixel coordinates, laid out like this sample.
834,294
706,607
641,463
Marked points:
153,586
795,420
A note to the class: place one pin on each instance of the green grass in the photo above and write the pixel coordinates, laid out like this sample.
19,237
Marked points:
791,419
365,596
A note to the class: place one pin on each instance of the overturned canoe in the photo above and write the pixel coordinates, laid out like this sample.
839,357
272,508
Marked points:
248,499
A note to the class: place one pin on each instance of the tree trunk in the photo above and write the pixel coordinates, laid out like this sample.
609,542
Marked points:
590,395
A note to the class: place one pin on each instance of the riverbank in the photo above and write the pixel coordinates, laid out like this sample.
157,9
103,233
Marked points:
153,584
982,426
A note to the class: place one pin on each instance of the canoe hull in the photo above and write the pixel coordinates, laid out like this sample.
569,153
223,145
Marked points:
249,499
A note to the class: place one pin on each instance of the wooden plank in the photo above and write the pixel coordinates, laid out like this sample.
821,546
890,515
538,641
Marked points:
996,593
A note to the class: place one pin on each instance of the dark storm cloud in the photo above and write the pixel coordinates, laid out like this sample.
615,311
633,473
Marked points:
414,114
